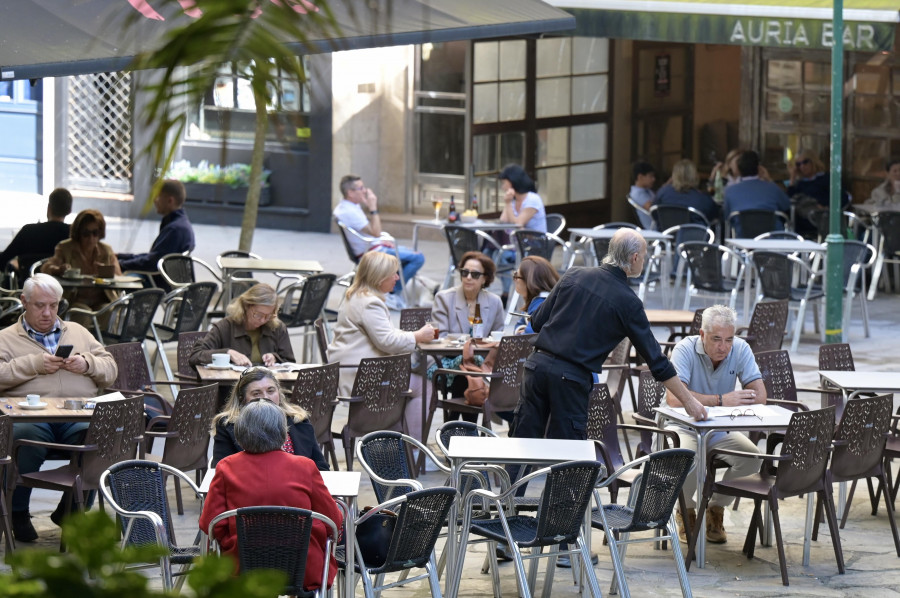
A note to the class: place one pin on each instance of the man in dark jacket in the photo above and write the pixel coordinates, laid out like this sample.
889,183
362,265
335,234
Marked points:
38,241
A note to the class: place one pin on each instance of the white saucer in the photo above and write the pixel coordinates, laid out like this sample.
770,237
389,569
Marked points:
434,341
27,405
219,367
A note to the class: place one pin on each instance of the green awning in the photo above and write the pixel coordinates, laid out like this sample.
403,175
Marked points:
869,25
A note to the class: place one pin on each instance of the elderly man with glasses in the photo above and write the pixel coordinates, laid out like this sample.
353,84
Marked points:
710,366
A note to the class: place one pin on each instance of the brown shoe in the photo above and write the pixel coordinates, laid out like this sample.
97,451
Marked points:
715,528
692,521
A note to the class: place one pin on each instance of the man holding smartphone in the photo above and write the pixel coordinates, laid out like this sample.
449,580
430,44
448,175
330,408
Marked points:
29,364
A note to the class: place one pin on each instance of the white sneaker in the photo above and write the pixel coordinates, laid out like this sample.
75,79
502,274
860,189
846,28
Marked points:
394,302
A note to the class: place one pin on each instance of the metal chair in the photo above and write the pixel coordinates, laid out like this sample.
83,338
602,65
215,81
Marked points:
186,433
184,310
779,234
888,224
749,224
378,398
592,250
312,295
347,233
461,240
767,324
315,389
802,469
10,310
128,318
6,442
413,318
838,357
681,233
667,216
136,491
707,263
321,339
133,376
858,257
275,537
776,273
385,456
642,213
179,270
565,498
650,508
556,223
651,394
532,242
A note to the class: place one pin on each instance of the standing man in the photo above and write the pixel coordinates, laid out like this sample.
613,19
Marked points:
28,366
753,193
176,235
38,241
709,365
350,213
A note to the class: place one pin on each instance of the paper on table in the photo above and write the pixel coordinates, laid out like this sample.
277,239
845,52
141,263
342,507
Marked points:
113,396
758,411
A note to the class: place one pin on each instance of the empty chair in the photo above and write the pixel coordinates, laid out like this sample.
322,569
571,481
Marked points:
184,310
315,389
777,273
240,281
667,216
127,319
179,270
707,264
532,242
767,325
136,491
556,224
835,357
748,224
311,296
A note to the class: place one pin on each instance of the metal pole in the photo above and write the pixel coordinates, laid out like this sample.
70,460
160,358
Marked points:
834,292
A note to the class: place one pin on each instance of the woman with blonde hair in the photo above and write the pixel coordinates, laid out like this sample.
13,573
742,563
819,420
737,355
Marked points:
256,384
250,333
364,329
682,191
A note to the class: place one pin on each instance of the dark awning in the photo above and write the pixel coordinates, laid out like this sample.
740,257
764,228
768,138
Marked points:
48,38
869,25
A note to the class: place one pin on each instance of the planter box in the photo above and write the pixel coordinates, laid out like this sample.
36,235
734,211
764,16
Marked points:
223,194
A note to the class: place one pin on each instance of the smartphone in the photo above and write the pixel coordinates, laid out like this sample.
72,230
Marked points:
63,351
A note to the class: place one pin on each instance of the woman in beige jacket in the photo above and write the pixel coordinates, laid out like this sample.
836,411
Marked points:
364,329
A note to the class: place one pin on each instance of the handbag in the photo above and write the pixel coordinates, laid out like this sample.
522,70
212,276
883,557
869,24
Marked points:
477,391
373,536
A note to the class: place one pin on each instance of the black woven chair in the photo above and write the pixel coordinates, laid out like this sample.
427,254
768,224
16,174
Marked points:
532,242
649,508
565,498
309,304
136,491
184,310
706,264
748,224
270,537
462,239
667,216
776,275
128,318
420,518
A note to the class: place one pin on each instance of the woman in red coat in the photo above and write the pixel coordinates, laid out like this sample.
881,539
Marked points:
265,475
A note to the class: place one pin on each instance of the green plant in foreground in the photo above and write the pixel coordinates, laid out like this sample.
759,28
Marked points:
94,565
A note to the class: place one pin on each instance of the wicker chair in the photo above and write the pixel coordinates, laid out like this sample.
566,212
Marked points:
315,389
309,305
776,273
649,508
748,224
136,491
705,262
802,469
184,310
128,317
667,216
6,441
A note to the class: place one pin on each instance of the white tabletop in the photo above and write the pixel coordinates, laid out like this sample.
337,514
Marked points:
607,233
869,381
241,263
769,417
476,224
520,450
339,483
775,245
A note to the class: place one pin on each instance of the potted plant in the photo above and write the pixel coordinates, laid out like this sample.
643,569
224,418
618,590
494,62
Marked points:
211,183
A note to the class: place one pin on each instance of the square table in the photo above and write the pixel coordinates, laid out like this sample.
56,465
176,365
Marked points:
208,375
230,265
503,451
53,413
478,224
853,383
116,283
773,418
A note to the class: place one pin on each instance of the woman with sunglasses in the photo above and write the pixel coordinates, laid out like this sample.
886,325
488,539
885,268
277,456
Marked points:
534,279
810,180
258,384
454,308
83,250
250,333
364,329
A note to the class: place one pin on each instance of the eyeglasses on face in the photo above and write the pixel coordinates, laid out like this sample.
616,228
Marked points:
803,162
473,274
91,232
745,413
256,315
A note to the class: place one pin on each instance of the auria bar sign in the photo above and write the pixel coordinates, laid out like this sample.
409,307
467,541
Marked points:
800,34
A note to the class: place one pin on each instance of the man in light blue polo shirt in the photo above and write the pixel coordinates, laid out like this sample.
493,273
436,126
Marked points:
710,365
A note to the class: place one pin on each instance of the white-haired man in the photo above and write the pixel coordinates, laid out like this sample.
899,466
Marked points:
28,366
710,365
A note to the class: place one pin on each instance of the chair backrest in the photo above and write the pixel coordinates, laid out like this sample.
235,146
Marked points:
236,253
767,325
601,246
131,363
503,392
532,242
186,342
380,382
862,433
345,237
384,454
807,440
10,309
315,389
856,255
780,234
140,486
775,274
453,428
177,269
662,476
889,226
705,263
321,338
697,322
777,374
556,223
6,439
116,426
601,425
682,233
314,292
191,417
137,316
413,318
821,220
461,240
752,223
190,310
567,494
618,376
651,394
836,356
668,216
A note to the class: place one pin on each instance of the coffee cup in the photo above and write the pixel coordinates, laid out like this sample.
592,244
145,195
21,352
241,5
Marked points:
106,271
72,273
496,335
33,400
221,359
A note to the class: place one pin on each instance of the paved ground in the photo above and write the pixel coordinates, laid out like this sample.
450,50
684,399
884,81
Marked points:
872,564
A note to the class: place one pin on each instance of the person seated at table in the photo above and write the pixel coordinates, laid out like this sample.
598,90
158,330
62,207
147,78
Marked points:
643,177
250,332
260,383
85,251
28,366
710,365
751,192
37,241
886,196
809,181
264,473
364,329
535,278
454,308
522,206
682,191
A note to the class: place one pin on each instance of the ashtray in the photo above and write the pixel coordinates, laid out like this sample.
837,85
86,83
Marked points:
73,404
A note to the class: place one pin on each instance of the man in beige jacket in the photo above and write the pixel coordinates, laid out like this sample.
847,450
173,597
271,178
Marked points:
28,366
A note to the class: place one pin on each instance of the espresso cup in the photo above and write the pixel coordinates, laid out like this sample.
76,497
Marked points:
221,359
34,400
496,335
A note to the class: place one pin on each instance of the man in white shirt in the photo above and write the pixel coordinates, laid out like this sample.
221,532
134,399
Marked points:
350,212
642,179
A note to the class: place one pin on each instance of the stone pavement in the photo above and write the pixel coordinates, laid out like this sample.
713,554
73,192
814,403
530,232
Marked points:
872,564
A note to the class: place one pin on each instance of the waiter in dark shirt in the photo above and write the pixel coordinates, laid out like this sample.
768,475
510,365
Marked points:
38,241
588,313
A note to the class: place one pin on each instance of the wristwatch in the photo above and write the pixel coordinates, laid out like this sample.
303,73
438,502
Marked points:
373,212
720,399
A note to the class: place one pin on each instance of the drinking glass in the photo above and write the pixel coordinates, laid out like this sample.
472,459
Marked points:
436,204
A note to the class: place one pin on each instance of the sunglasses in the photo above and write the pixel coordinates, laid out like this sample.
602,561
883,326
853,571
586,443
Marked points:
802,162
473,274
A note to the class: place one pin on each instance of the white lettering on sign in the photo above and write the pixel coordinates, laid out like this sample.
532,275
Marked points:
857,36
786,32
